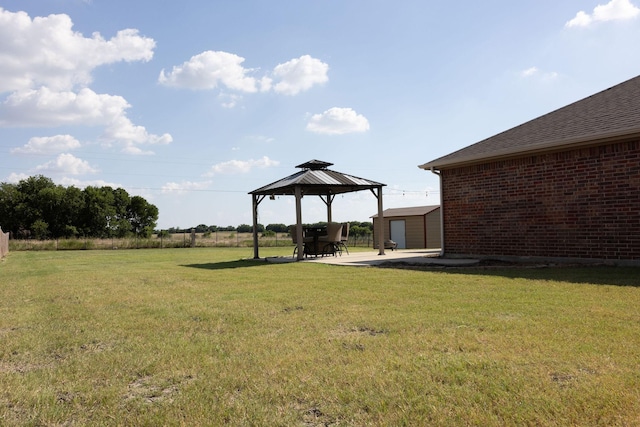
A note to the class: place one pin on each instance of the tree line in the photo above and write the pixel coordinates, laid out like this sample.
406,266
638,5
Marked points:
356,228
37,208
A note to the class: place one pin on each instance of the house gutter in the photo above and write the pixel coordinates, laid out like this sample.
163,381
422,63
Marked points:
436,172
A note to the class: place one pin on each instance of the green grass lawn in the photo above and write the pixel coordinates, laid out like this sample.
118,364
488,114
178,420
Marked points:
202,337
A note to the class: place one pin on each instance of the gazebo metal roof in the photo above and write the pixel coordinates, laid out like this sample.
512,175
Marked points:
316,180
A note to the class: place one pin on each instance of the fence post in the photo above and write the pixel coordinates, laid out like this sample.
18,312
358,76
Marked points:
4,243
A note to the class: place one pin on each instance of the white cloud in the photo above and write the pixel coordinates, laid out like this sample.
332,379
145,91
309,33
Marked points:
265,83
45,51
179,188
229,100
215,69
615,10
67,164
241,166
15,178
67,182
48,144
300,74
535,72
44,107
338,121
121,130
46,66
208,70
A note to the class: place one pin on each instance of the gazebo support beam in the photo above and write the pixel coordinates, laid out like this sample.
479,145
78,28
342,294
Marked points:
328,200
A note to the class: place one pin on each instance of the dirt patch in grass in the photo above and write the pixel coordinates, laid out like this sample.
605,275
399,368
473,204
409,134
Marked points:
96,347
17,367
314,416
346,331
151,390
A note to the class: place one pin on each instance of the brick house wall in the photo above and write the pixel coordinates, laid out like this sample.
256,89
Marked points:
582,203
432,221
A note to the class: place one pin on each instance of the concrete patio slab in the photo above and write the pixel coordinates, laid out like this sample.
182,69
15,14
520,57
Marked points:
371,258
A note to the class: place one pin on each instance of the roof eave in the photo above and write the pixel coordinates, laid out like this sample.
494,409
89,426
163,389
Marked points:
582,141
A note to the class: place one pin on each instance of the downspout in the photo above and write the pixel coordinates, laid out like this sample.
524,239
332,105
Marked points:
434,171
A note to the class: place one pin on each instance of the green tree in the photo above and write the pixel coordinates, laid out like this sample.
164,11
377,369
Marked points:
244,228
36,206
52,211
72,205
277,228
98,212
142,216
360,230
10,198
31,205
40,229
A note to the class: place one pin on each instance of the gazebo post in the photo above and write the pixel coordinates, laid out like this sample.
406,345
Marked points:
380,223
299,236
328,201
255,202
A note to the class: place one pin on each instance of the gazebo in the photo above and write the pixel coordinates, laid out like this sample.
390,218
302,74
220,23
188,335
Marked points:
315,180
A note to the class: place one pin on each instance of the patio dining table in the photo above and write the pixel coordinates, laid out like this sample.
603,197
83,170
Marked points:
312,247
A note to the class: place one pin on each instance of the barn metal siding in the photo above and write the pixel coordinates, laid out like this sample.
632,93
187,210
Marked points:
422,225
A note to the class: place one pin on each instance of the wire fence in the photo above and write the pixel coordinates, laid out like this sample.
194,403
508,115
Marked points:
162,241
4,243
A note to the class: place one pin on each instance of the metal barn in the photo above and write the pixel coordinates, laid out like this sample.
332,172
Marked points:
412,227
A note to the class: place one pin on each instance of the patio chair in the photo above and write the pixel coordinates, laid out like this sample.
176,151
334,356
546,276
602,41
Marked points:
390,244
294,238
330,242
344,237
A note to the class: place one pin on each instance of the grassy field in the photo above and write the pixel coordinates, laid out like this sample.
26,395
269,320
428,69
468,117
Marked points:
179,240
202,337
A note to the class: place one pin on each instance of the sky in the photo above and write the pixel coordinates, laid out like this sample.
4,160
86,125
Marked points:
193,104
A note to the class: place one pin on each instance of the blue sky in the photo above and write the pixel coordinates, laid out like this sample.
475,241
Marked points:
193,104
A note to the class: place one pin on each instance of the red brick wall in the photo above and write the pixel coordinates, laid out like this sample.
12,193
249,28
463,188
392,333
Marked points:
583,203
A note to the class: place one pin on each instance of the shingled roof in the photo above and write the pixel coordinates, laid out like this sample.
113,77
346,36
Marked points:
610,115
